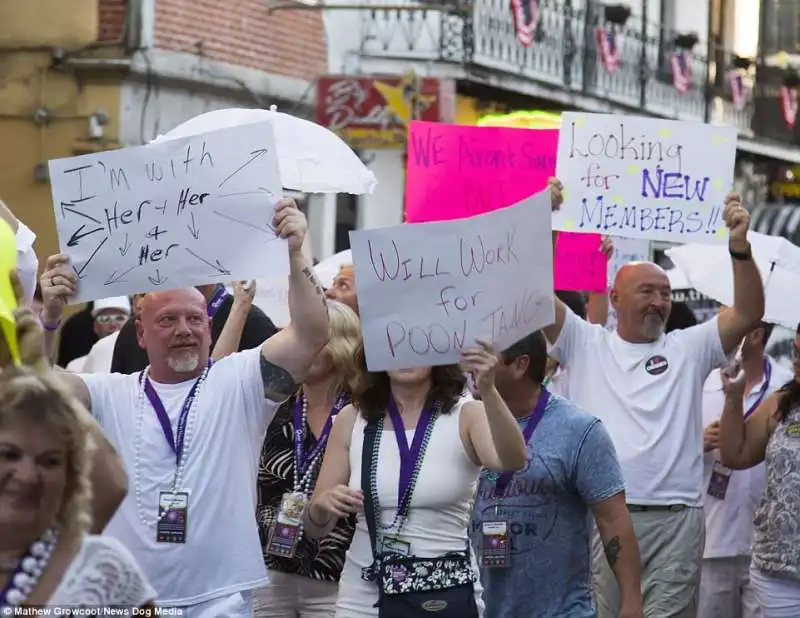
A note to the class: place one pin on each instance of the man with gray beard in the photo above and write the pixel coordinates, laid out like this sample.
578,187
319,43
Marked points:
646,387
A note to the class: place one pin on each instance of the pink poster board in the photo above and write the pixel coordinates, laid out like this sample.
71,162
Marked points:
579,263
456,171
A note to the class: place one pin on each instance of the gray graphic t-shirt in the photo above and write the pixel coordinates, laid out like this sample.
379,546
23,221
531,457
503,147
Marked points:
571,463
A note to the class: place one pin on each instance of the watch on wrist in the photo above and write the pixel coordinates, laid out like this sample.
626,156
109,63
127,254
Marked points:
741,255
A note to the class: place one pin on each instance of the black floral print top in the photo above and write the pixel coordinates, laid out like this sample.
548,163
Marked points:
320,559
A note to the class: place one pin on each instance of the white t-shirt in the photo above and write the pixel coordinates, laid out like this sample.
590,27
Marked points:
103,574
99,358
559,382
222,554
729,522
648,396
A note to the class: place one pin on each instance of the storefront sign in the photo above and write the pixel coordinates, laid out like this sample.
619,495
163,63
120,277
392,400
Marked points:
373,112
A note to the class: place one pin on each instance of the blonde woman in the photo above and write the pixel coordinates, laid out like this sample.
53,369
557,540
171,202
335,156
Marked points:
47,556
304,573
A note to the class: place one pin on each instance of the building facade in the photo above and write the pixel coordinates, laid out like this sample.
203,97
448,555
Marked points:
678,59
79,76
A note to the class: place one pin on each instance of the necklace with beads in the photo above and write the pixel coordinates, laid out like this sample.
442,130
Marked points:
306,463
28,570
177,479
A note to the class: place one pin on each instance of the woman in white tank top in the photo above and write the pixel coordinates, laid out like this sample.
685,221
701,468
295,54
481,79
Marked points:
460,439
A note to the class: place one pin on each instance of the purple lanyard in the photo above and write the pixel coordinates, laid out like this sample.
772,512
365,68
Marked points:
530,427
166,425
764,387
220,296
303,459
409,457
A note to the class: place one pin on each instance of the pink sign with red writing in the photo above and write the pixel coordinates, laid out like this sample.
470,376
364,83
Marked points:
455,171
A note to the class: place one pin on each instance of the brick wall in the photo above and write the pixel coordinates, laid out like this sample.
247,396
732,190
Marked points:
241,32
112,19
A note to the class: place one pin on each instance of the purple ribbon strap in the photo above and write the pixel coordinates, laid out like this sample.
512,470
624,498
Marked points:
409,457
302,458
220,296
161,414
764,388
530,427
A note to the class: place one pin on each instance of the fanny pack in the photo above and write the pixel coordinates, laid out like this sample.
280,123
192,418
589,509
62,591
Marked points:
411,587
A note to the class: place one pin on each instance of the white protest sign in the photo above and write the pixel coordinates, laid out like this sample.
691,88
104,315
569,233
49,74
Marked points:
426,290
272,297
184,212
644,177
626,250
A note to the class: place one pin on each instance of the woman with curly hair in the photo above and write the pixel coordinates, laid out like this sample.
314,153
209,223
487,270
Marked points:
47,556
304,572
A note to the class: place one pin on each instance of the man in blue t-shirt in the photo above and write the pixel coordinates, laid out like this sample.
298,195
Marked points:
532,529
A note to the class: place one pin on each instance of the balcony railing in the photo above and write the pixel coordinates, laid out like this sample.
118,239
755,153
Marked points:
564,55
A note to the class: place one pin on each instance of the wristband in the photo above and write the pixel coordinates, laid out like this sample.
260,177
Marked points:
48,327
742,255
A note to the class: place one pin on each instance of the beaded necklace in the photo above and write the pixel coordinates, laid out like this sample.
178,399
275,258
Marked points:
27,573
305,471
404,506
177,479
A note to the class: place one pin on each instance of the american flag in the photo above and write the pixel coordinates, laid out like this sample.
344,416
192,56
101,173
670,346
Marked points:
789,104
524,13
681,71
609,49
739,91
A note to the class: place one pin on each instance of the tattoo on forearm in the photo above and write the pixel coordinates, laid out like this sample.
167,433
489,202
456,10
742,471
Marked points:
278,383
312,279
612,549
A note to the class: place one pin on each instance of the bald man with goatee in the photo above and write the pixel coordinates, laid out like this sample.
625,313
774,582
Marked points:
646,387
190,433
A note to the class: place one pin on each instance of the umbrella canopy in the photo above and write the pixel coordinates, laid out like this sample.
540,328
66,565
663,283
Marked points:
312,159
708,270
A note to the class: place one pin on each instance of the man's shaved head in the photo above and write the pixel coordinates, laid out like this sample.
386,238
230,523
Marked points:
642,298
174,328
151,302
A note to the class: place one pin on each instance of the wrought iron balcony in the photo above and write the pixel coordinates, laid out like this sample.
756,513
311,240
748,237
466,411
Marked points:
564,54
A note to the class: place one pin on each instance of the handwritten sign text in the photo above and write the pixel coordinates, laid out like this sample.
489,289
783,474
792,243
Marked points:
427,290
189,211
461,171
644,177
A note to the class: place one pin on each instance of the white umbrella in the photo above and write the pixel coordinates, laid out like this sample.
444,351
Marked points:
708,270
677,280
312,158
328,268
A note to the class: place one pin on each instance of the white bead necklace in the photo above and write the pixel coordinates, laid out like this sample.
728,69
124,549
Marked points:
29,570
177,479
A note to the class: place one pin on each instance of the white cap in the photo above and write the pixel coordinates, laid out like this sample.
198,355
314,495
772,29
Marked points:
121,303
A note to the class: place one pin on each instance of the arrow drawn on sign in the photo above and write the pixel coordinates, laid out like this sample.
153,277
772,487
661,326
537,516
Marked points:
216,266
115,278
79,233
125,246
267,229
69,207
193,229
157,280
79,271
259,192
255,155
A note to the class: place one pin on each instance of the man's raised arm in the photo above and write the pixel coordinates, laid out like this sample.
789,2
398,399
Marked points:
748,288
287,355
552,331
